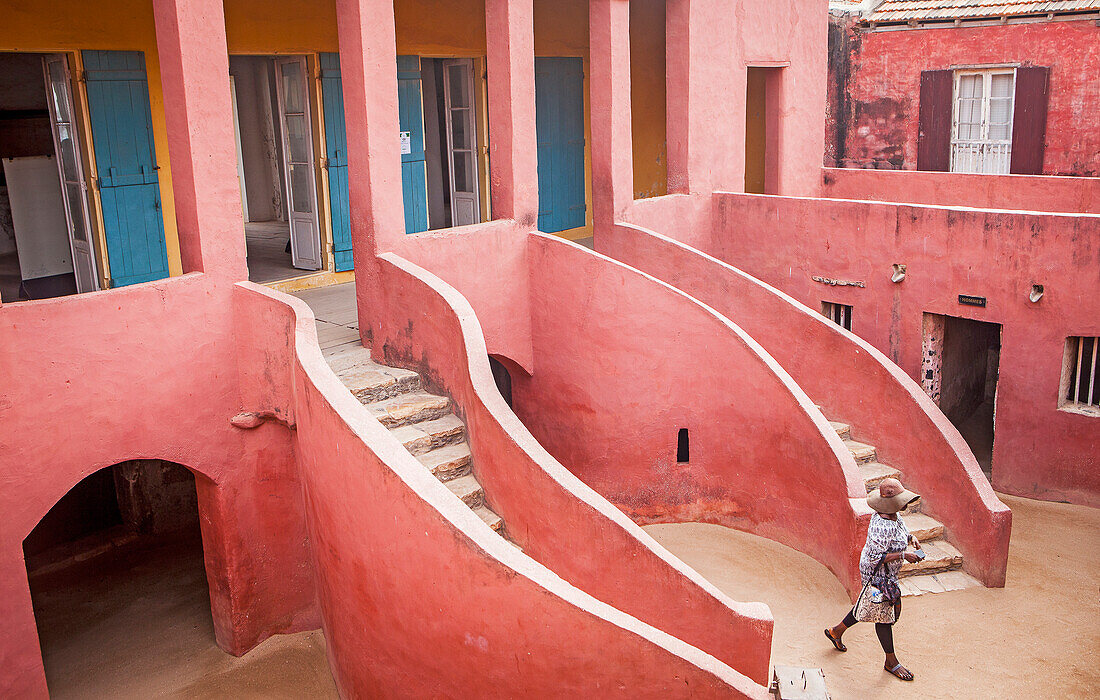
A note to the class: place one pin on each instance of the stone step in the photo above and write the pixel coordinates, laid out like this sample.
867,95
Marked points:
842,429
416,407
468,489
371,382
942,556
863,453
923,527
421,438
937,583
490,518
448,462
874,472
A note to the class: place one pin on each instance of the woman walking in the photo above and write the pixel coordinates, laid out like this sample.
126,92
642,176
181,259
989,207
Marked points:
879,564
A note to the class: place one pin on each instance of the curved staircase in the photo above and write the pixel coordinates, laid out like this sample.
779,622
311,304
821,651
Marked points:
941,571
425,424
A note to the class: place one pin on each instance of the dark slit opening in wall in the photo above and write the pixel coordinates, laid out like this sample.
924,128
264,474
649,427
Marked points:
502,378
682,446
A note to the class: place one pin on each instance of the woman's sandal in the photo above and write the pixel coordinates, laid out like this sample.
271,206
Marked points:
896,671
836,642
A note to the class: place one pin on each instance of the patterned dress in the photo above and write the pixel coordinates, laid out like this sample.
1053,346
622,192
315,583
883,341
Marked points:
883,536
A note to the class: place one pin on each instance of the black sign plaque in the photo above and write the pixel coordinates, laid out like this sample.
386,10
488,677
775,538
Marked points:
970,300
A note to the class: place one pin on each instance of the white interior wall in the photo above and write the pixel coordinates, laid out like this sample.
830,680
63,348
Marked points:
260,142
24,124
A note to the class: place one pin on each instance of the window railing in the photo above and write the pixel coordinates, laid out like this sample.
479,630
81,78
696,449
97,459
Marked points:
993,158
1080,372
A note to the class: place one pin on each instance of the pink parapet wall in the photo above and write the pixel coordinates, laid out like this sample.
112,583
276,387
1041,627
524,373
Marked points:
1045,193
623,362
418,595
147,372
426,325
1039,450
852,382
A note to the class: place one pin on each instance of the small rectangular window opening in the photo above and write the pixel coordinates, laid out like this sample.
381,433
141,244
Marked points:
840,314
1081,375
682,446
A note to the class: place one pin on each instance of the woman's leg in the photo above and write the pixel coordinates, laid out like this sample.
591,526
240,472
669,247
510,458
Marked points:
835,633
885,634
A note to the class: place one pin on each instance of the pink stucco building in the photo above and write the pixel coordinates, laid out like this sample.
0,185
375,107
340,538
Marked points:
502,553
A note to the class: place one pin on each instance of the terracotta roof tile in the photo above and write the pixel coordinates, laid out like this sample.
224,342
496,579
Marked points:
905,10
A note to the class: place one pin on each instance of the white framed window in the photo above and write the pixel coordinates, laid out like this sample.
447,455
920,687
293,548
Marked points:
981,132
1080,386
840,314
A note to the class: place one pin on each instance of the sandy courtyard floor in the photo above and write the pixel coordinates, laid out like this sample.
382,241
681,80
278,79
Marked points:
1039,637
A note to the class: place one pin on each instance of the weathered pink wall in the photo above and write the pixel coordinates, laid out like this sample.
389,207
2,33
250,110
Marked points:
469,257
881,111
148,371
418,595
710,43
1026,192
1039,451
853,383
623,361
431,328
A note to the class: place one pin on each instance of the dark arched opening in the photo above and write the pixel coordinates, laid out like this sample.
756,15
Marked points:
118,582
503,379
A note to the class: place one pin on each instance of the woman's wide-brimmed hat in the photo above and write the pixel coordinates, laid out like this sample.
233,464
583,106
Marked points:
890,497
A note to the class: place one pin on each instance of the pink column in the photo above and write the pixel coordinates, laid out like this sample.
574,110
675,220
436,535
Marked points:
198,111
513,158
705,82
609,100
368,66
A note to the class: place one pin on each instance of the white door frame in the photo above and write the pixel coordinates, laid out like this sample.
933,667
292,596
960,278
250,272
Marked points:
465,203
73,184
305,229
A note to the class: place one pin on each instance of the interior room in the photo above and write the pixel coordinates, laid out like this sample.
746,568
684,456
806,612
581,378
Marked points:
450,142
36,255
971,360
118,582
263,112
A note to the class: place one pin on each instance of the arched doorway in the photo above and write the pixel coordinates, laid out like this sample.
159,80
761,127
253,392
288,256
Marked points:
118,582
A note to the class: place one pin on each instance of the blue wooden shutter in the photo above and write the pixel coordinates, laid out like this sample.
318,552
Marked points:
336,153
122,135
414,176
559,127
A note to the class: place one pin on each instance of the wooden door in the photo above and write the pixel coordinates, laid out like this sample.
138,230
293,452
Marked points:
458,91
129,189
301,184
336,160
414,178
74,188
559,127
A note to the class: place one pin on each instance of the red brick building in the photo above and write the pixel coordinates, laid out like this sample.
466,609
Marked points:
965,86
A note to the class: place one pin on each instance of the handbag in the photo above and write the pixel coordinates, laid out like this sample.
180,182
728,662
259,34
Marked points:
867,610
